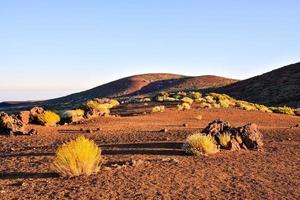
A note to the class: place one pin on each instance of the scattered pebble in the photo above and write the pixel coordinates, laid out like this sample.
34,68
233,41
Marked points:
185,125
164,130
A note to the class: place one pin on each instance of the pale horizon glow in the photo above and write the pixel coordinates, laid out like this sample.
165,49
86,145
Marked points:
54,48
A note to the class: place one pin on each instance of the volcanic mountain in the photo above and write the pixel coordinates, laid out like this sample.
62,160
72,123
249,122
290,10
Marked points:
145,84
278,87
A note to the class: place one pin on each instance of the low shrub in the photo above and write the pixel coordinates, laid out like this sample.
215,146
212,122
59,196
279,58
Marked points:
187,100
158,109
297,111
224,103
77,157
114,103
102,108
72,115
224,139
198,144
195,95
219,97
48,118
283,110
245,105
184,106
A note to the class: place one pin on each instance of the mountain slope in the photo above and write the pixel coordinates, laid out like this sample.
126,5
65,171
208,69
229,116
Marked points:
278,87
135,85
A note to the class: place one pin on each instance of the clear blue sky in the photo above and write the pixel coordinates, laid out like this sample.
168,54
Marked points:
51,48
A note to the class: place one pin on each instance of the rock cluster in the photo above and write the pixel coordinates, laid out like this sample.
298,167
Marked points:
15,124
10,125
244,137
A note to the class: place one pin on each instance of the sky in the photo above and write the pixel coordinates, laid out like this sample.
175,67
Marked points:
52,48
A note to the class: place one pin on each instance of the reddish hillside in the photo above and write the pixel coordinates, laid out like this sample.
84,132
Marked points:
134,85
278,87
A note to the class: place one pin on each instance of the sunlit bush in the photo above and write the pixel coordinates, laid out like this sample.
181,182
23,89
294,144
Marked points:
283,110
48,118
158,109
187,100
73,115
195,95
77,157
183,106
224,139
198,144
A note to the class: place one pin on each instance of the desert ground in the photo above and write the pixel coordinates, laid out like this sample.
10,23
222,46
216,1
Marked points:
143,162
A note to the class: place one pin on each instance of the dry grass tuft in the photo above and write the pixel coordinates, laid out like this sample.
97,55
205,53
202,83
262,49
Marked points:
198,144
48,118
224,139
78,157
158,109
183,106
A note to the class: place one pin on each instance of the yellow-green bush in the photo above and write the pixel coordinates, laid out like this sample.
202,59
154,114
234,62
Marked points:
103,108
263,108
198,144
73,115
218,97
184,106
158,109
224,103
224,139
283,110
114,103
146,99
245,105
195,95
48,118
187,100
77,157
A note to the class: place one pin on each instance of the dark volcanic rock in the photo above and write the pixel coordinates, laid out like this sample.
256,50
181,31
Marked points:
246,137
10,125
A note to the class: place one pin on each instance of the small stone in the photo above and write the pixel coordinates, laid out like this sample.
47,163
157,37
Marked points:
199,117
185,125
33,132
90,131
164,130
81,129
106,168
2,191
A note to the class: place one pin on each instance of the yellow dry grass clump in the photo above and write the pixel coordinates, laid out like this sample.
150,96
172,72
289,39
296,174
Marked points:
224,139
187,100
199,144
77,157
48,118
158,109
183,106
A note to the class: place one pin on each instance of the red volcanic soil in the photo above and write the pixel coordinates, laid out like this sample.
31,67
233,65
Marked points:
164,171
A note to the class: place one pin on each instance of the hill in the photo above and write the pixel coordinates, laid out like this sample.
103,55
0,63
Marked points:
145,84
278,87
